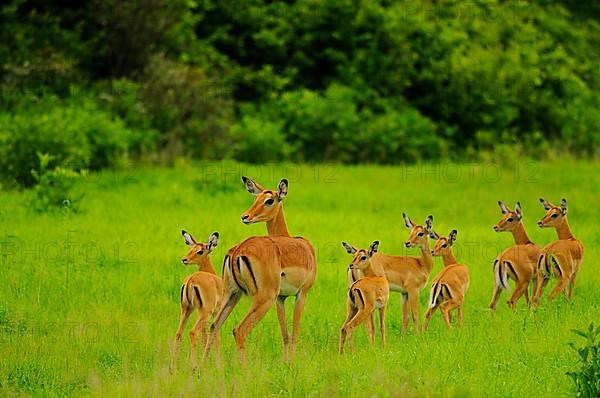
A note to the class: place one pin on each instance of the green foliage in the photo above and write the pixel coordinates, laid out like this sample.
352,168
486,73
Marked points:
587,376
56,188
76,136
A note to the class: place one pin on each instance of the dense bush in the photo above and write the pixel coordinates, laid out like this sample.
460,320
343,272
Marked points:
586,376
74,136
313,80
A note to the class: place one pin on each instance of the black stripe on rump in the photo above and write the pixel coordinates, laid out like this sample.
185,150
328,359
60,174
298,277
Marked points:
247,263
444,286
235,279
181,295
556,265
225,261
512,269
198,295
360,296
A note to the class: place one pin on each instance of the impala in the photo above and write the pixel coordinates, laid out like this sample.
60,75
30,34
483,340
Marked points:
203,291
354,274
408,274
450,285
370,292
518,262
268,269
561,258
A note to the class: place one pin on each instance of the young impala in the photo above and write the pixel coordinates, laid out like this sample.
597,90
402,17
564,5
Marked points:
354,274
370,292
518,262
450,285
203,291
562,257
269,269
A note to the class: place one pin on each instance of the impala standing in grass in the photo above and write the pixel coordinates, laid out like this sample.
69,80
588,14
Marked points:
518,262
370,292
449,287
203,290
268,269
561,258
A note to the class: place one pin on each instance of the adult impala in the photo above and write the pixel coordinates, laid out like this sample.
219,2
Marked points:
268,269
562,257
203,291
449,287
518,262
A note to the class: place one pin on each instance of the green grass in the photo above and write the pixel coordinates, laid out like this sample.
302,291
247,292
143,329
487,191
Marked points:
89,300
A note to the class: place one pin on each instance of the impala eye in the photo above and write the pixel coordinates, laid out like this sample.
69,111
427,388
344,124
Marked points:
445,245
200,252
555,215
269,202
420,234
510,219
363,258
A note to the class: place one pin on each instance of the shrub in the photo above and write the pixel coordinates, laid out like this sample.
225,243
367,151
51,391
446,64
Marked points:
259,140
74,136
55,188
587,376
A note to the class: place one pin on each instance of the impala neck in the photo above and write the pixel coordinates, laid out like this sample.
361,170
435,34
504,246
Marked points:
426,258
277,226
206,266
564,231
449,258
520,235
374,269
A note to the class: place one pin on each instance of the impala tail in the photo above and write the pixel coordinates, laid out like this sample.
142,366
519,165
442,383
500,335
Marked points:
439,293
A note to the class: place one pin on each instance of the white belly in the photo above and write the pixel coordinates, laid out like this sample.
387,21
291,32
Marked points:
396,288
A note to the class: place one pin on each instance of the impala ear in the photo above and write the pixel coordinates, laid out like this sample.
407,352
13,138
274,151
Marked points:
282,189
187,238
563,206
349,248
452,237
373,248
407,221
518,210
434,235
252,186
213,241
429,223
503,207
546,204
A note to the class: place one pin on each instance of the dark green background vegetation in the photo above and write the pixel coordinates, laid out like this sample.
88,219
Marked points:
310,80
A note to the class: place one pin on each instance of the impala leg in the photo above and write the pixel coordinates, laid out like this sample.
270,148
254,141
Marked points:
185,315
413,302
259,308
495,297
199,327
459,310
228,304
283,325
559,288
542,281
382,325
404,312
527,294
516,295
428,316
370,327
350,313
446,307
298,309
571,285
359,318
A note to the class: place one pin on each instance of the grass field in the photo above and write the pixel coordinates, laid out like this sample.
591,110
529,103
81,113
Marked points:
89,300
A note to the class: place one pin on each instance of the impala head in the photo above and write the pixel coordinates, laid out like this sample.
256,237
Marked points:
510,218
361,257
267,203
555,215
418,233
443,245
198,252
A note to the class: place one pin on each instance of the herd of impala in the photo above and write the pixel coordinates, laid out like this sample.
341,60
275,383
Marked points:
271,268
